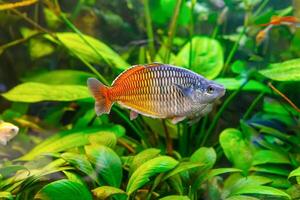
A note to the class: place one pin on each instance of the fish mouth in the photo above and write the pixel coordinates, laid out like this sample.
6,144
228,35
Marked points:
221,91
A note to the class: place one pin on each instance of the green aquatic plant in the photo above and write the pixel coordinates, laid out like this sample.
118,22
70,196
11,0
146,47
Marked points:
246,148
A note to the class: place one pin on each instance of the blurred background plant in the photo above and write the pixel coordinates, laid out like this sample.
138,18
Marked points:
248,147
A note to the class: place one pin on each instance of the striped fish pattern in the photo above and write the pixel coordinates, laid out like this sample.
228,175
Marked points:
158,91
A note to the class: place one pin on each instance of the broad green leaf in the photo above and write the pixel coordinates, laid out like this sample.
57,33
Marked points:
35,92
104,192
69,139
75,177
271,169
261,189
235,83
6,195
238,67
285,71
142,157
268,156
62,190
241,197
219,171
295,172
60,77
162,11
106,139
148,169
175,197
237,181
80,162
205,156
207,57
181,167
107,163
233,144
100,50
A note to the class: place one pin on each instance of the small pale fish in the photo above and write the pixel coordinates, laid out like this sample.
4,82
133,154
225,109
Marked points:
159,91
7,132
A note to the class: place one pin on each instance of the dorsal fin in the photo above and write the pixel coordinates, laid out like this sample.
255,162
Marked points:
133,70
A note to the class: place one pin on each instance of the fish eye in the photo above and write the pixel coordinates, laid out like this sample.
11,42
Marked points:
210,90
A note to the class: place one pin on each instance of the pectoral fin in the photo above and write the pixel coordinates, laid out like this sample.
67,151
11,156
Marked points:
186,91
133,115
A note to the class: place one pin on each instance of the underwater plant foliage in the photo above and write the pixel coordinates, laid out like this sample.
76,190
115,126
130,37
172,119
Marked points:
54,146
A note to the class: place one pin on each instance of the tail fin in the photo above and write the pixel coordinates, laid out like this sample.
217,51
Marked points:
100,92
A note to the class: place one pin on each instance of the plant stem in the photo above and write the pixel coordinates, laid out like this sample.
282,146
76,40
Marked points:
191,29
169,141
138,132
253,104
284,97
91,67
18,41
202,130
233,50
149,29
220,112
172,30
261,7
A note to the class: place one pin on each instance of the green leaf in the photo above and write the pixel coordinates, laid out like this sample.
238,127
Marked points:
241,197
233,144
271,169
106,139
162,11
104,192
69,139
175,197
235,83
205,156
238,67
6,171
148,169
62,190
60,77
261,189
236,182
219,171
181,167
80,162
107,163
36,92
295,172
74,177
77,45
207,57
6,195
142,157
285,71
268,156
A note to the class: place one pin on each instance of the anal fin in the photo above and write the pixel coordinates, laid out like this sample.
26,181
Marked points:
133,115
177,119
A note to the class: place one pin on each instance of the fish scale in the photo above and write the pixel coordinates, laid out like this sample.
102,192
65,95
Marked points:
155,90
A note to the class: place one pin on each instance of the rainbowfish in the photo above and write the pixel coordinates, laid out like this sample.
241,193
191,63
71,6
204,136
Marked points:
262,35
159,91
7,132
286,20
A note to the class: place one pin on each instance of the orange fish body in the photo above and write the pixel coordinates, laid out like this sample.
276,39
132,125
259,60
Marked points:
158,91
287,20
